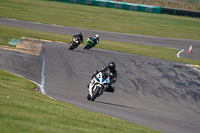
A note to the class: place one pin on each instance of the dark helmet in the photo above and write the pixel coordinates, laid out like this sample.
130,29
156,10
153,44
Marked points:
111,66
80,34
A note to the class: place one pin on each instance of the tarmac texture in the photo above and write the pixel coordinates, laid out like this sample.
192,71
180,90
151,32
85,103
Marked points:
155,93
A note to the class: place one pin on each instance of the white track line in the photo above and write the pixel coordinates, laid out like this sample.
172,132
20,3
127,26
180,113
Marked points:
42,73
179,53
192,67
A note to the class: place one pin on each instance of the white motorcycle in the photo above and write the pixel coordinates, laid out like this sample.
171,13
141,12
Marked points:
98,85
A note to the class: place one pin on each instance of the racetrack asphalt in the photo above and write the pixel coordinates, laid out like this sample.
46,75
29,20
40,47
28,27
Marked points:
159,94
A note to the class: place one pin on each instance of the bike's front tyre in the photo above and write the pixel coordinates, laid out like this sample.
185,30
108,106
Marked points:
71,47
88,97
85,47
95,94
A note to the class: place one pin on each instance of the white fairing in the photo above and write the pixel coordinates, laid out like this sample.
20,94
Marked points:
75,40
100,81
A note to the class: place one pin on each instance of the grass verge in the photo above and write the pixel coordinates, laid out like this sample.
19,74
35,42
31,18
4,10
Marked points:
25,110
100,18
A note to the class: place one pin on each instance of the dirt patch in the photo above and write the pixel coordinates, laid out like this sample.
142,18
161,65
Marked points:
30,45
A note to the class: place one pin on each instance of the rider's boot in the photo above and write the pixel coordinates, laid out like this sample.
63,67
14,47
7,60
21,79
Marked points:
110,88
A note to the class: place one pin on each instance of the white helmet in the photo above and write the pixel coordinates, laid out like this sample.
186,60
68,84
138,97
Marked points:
96,36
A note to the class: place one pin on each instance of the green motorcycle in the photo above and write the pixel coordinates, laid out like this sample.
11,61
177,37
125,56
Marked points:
89,43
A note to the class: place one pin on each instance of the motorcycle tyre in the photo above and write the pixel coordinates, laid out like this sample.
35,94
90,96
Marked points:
88,97
95,94
71,47
85,47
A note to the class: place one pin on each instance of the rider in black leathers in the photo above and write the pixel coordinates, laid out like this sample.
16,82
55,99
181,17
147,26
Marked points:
113,75
80,38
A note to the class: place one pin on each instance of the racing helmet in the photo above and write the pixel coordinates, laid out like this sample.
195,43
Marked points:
96,36
80,34
111,66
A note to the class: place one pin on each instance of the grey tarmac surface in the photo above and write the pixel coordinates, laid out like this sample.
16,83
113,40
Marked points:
158,94
28,66
154,93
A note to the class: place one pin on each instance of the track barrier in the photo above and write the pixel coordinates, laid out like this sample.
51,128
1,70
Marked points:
135,7
180,12
114,4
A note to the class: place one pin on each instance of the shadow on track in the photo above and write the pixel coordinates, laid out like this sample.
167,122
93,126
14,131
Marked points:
119,105
100,51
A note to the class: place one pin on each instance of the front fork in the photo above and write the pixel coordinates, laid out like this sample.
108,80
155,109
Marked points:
93,88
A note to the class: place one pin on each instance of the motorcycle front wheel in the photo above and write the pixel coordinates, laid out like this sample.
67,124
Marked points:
85,47
95,94
88,97
71,47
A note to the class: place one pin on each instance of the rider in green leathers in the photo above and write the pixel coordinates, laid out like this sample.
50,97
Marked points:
92,41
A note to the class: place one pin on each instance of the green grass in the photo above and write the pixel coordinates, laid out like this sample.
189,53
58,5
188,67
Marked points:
100,18
25,110
7,33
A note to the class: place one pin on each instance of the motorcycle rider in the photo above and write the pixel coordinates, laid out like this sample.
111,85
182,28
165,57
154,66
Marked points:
94,40
80,38
113,75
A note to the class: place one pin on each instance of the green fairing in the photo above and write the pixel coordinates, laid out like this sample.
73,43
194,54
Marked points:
90,44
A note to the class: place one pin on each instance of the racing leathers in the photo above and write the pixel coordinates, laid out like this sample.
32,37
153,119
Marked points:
80,38
113,77
94,41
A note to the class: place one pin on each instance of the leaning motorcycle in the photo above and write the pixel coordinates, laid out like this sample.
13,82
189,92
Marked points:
89,44
98,85
73,44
